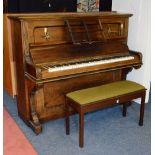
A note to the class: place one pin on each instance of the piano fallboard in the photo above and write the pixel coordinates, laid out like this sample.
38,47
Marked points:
69,53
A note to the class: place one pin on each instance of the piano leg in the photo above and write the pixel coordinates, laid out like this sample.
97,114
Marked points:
81,129
67,124
142,107
124,109
125,106
34,122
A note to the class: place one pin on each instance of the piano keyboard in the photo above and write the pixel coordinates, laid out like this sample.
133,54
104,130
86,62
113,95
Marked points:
87,64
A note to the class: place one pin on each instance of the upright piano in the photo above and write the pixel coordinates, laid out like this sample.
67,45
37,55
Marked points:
56,53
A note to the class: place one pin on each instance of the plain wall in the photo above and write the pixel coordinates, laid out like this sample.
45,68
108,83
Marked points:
139,37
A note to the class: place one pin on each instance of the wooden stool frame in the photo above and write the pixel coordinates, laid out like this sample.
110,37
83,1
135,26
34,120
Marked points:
82,109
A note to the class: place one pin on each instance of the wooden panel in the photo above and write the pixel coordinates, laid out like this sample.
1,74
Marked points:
50,34
54,30
8,62
51,98
56,55
22,91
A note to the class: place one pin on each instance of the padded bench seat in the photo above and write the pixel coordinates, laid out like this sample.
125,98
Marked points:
90,99
99,93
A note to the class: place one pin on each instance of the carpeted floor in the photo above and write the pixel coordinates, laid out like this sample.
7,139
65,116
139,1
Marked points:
106,133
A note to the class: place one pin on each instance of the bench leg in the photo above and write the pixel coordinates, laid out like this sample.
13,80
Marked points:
124,109
67,119
81,129
142,107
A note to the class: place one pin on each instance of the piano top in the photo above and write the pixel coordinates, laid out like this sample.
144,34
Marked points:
39,16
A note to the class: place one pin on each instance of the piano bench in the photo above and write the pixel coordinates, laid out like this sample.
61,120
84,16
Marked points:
91,99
